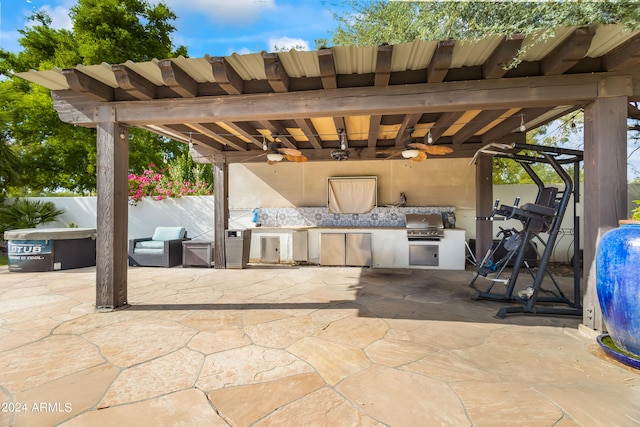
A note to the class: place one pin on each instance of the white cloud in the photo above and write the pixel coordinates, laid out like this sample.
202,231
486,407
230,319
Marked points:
59,16
225,12
287,43
243,51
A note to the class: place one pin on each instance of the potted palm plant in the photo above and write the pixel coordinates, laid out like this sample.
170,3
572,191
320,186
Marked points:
618,287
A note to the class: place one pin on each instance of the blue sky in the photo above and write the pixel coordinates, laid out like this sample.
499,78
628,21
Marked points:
221,27
214,27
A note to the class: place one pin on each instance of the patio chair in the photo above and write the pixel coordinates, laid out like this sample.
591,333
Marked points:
163,249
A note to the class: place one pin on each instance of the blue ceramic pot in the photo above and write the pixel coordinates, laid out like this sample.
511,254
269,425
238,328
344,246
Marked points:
618,284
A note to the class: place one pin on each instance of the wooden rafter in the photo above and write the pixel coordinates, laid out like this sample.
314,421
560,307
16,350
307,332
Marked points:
624,56
383,65
275,72
133,83
511,123
478,123
197,136
374,128
226,76
88,86
277,130
501,58
444,121
568,53
408,122
310,131
177,79
440,62
327,69
218,133
246,131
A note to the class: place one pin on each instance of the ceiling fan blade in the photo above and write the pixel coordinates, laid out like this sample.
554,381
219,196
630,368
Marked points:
418,146
296,159
420,157
439,150
248,159
289,151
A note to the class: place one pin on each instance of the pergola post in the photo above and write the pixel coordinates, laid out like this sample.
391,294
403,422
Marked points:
605,187
112,215
220,208
484,205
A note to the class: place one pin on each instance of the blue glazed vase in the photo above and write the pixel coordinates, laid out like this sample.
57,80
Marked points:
618,284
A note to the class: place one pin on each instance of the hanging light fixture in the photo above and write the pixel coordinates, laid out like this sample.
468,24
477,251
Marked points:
264,143
429,137
343,139
275,157
522,128
410,154
190,141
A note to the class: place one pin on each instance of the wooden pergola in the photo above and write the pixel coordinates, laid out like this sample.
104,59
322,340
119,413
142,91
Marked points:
457,94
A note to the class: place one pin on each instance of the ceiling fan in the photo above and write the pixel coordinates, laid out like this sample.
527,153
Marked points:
417,151
275,152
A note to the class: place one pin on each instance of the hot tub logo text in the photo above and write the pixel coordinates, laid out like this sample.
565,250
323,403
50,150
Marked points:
29,249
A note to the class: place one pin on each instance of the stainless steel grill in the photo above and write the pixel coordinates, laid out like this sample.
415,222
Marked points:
424,227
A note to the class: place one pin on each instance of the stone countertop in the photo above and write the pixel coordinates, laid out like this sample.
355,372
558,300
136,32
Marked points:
313,227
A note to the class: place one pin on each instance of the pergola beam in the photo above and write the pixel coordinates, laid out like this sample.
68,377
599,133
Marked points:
526,92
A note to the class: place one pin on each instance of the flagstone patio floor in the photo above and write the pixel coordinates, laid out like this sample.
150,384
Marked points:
277,346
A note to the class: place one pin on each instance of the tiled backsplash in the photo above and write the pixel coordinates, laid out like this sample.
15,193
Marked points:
381,216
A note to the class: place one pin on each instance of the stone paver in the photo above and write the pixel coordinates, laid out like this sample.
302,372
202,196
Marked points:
334,361
317,346
243,405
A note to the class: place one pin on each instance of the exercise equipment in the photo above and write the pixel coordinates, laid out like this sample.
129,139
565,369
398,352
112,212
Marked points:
543,216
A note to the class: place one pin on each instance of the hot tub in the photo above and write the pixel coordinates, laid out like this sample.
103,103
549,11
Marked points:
48,249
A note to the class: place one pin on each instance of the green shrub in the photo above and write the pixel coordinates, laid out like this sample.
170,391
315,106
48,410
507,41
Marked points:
635,214
24,213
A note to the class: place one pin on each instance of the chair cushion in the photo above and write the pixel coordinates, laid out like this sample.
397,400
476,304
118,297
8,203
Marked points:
168,233
148,251
150,244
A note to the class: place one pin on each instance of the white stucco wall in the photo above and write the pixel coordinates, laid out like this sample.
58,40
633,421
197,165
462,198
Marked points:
196,212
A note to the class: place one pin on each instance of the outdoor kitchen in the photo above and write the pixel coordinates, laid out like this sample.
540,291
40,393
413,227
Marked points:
311,213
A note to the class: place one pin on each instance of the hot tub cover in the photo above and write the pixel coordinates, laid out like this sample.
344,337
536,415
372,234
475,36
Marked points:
50,234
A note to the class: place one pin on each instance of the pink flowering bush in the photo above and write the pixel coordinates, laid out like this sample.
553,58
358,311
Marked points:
158,185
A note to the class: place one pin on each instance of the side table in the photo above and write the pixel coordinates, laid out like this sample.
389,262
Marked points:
197,253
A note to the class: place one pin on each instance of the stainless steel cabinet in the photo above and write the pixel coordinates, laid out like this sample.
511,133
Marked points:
352,249
332,249
300,246
358,249
270,250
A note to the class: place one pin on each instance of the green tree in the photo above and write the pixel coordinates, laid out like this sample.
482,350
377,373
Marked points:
63,157
374,22
184,169
9,162
115,31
